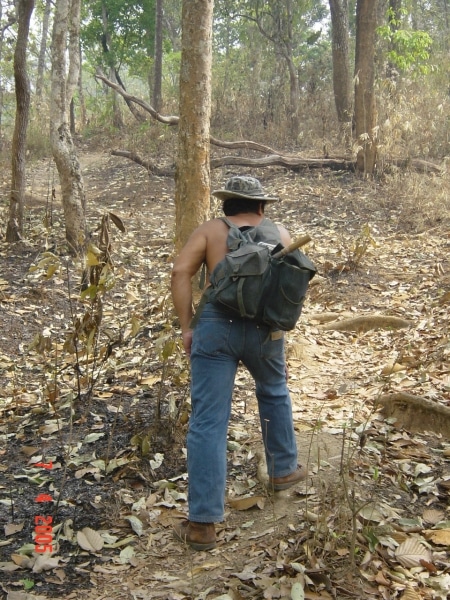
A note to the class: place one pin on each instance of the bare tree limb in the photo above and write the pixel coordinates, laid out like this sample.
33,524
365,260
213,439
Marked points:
273,158
173,120
166,120
151,168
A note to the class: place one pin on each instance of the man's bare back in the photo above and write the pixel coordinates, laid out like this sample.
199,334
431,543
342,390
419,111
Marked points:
207,244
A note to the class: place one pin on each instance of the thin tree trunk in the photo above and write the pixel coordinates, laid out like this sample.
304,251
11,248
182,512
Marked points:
64,153
83,117
5,26
365,110
341,64
157,72
14,228
43,50
192,194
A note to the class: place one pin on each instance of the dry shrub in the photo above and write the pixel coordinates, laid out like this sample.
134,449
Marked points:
417,201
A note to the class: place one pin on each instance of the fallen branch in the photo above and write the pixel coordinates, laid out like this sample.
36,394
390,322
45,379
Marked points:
367,323
295,163
151,168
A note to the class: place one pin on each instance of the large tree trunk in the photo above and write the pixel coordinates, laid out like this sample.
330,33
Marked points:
192,194
341,64
365,112
64,153
17,199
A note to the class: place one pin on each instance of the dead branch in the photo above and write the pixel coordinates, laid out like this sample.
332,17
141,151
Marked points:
293,162
296,163
417,164
151,168
166,120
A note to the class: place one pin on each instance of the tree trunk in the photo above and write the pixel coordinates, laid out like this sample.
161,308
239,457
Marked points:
4,27
192,195
341,64
394,16
365,117
157,72
294,93
83,116
64,153
17,199
43,50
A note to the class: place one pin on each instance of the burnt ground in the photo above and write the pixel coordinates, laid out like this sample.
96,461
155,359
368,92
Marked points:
113,425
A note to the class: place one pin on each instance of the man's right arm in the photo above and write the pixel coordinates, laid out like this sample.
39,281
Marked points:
185,267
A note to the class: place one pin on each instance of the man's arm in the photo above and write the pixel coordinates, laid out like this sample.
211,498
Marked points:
285,236
185,267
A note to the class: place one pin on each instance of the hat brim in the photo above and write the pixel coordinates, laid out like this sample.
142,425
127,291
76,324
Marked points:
225,194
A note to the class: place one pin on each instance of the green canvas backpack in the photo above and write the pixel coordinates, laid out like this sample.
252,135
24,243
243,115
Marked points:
257,281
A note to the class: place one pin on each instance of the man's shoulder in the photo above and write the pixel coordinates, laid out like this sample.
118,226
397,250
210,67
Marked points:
211,225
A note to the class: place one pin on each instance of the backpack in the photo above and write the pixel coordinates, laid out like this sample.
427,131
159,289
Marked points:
252,282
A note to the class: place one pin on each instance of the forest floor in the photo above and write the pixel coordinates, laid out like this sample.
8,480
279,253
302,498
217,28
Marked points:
373,518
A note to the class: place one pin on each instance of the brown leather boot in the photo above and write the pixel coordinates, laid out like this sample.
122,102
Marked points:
200,536
283,483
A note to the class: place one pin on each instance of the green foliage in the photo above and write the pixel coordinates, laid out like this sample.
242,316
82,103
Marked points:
117,32
409,49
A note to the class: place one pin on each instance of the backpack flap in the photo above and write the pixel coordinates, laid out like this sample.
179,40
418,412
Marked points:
237,278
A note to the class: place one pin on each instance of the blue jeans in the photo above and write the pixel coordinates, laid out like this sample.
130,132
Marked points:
220,342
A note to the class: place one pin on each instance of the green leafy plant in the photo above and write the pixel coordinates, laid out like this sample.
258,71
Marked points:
28,584
410,49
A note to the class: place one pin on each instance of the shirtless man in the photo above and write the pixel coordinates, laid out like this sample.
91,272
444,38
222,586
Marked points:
218,343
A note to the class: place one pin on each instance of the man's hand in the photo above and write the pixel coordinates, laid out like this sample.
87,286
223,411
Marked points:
187,341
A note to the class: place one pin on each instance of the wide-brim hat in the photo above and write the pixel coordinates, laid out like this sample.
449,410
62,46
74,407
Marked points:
240,186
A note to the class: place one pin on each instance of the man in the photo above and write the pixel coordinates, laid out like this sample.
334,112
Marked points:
216,345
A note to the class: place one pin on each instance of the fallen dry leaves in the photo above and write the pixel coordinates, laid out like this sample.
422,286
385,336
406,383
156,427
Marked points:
372,521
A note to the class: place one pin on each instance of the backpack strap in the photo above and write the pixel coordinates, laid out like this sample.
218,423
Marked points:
266,231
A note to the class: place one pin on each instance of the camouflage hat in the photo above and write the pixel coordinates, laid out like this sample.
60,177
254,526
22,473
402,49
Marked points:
243,187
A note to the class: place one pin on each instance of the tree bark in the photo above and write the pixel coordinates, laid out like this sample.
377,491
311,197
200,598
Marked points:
192,191
341,64
14,227
64,153
365,116
43,49
157,72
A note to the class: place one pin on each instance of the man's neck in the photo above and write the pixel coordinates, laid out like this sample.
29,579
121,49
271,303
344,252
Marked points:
250,219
